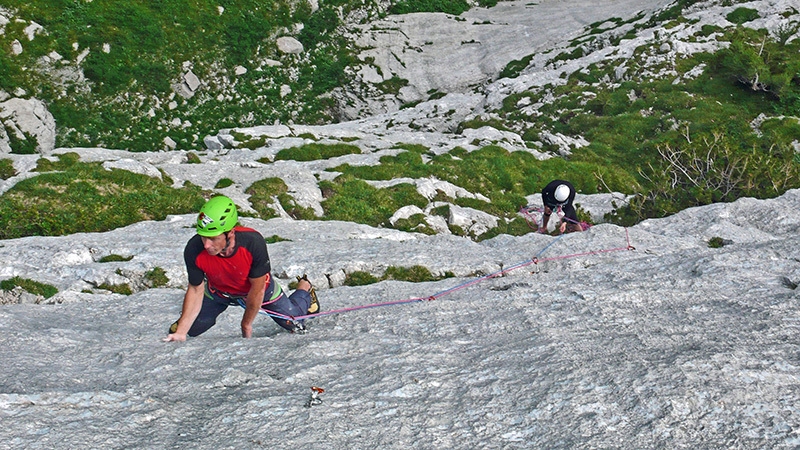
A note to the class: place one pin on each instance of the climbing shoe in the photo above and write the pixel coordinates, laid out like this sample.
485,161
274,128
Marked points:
173,328
314,307
298,327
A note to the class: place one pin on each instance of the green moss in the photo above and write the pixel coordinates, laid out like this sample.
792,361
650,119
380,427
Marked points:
114,258
223,183
124,289
7,169
742,15
359,278
156,277
275,238
34,287
261,196
716,242
314,151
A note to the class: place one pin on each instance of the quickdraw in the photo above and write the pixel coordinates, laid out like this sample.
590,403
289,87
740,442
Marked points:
314,400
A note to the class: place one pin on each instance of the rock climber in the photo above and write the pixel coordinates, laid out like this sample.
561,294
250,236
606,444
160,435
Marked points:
559,195
228,265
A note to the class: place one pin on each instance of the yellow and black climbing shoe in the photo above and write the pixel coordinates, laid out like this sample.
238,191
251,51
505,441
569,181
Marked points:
313,308
173,328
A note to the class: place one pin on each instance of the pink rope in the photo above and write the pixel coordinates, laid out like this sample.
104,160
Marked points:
534,260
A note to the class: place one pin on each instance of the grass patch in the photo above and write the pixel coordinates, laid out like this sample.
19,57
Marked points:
192,158
454,7
261,196
415,223
156,277
742,15
124,288
514,68
413,274
353,200
34,287
136,48
223,183
392,85
114,258
275,238
314,152
25,145
359,278
717,242
7,169
85,197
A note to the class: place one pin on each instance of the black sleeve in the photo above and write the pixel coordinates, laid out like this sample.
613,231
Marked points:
190,253
257,246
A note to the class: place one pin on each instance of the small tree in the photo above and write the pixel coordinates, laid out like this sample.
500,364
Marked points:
762,64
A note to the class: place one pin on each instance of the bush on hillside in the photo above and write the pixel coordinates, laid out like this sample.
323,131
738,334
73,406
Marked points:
7,169
761,64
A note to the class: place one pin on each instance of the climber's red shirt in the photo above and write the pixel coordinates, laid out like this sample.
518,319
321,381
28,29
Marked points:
228,274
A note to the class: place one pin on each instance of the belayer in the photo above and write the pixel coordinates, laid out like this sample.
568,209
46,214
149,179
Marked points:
228,265
559,194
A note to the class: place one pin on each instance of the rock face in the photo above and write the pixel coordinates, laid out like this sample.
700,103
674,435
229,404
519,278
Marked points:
26,120
443,53
673,344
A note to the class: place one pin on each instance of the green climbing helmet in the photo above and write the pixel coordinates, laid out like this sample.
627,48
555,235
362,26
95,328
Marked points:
217,216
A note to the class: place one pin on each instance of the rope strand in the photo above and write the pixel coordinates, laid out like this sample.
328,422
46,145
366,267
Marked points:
534,260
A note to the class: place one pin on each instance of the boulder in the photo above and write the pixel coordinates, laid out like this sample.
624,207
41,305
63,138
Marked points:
188,85
289,45
27,119
471,220
405,212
